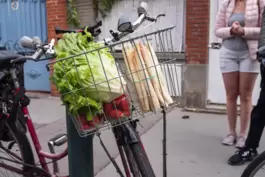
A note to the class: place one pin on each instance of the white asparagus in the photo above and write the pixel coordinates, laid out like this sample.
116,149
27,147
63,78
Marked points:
140,73
129,57
153,72
146,79
161,77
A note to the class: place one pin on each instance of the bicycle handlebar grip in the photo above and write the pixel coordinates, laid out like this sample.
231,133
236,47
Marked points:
30,43
38,54
161,15
142,9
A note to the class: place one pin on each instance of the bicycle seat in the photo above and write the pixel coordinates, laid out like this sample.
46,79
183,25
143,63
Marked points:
6,56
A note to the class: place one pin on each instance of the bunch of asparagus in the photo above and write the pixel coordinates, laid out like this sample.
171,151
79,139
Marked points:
146,74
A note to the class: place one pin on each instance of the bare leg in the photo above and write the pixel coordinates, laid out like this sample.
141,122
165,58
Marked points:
231,82
246,85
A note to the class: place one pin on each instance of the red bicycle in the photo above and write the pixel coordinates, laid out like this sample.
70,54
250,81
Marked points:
16,121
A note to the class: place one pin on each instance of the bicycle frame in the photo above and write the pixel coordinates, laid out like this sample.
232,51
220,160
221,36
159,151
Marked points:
42,155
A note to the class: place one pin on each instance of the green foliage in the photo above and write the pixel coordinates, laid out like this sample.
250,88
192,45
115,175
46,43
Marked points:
103,6
100,6
72,15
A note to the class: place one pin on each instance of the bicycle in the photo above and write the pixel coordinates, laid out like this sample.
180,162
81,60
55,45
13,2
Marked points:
255,167
15,117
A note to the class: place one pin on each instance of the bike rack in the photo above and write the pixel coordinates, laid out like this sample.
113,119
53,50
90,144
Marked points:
80,152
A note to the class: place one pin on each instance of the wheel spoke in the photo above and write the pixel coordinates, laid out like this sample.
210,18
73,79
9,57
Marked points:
11,153
16,170
12,163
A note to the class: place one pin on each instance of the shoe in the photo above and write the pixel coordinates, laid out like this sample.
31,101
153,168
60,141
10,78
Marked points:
240,142
241,156
229,140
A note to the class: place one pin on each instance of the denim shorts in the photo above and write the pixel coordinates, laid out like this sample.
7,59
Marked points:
237,61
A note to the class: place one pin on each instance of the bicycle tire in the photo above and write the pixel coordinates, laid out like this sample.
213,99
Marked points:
24,145
131,161
254,166
142,160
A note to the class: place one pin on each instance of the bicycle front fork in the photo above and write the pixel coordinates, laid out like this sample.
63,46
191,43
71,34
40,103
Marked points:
125,135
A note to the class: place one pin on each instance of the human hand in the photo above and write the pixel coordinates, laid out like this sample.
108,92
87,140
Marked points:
237,29
240,31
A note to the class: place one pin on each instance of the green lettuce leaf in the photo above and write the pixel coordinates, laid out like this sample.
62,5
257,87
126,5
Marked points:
85,79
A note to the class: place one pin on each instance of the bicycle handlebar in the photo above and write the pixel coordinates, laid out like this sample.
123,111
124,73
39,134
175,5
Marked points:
40,49
92,29
143,15
117,36
48,49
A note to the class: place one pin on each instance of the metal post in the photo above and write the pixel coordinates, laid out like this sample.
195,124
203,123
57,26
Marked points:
164,142
80,152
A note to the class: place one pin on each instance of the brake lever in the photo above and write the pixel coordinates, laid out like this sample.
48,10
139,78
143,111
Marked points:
61,31
22,59
154,19
93,28
150,19
160,15
50,48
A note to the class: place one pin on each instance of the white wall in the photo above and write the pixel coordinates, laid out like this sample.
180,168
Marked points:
86,12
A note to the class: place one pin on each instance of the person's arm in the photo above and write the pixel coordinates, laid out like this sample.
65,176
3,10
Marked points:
251,32
221,31
254,32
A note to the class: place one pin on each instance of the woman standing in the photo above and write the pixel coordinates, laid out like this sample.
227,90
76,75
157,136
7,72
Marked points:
238,24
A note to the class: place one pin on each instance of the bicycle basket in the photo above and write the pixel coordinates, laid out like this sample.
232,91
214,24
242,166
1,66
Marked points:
101,92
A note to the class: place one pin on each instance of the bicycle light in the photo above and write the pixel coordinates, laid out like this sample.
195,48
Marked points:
50,48
124,24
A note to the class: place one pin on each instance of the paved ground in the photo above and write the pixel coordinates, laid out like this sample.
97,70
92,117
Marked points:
194,148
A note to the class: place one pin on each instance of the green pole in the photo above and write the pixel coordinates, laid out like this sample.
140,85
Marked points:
80,152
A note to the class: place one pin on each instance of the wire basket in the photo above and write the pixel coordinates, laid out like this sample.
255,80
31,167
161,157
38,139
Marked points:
103,88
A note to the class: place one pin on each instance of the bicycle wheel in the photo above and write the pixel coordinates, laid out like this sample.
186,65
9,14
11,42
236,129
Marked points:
132,164
256,168
16,163
142,160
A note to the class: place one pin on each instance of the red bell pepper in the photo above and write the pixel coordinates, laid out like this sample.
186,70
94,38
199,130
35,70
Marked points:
118,108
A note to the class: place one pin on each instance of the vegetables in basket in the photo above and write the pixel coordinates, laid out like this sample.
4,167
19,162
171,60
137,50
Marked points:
85,79
118,108
154,69
141,78
144,68
129,56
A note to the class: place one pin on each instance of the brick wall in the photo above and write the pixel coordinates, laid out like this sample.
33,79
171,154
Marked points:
197,31
56,16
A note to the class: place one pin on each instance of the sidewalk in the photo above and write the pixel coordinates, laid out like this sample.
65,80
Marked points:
194,147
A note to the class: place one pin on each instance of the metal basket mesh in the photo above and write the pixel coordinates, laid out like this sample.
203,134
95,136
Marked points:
145,81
